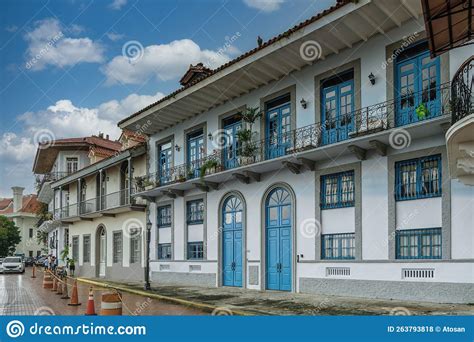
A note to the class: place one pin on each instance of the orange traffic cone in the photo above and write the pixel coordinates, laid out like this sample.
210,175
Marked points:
90,304
65,295
74,298
34,271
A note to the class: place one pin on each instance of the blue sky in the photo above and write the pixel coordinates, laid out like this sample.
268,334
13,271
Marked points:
66,68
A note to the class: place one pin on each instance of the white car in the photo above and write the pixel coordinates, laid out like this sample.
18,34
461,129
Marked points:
1,267
13,264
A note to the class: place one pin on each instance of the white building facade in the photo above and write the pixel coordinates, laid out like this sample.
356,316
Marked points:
340,187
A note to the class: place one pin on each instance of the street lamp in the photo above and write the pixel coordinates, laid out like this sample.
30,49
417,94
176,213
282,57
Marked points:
147,255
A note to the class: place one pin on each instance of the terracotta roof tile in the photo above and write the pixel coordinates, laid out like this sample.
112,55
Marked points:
30,205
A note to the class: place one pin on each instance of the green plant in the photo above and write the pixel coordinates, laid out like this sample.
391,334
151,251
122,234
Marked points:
148,182
422,111
139,183
208,165
250,115
64,253
244,135
9,236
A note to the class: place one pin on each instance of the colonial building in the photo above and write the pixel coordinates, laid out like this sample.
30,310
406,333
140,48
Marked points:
341,186
21,209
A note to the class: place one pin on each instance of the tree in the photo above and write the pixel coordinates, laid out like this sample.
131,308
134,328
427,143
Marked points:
9,236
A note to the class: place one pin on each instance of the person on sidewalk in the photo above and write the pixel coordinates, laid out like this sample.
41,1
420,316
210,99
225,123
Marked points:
72,267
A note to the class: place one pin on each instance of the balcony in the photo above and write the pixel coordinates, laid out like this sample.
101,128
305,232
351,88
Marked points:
460,137
106,205
299,149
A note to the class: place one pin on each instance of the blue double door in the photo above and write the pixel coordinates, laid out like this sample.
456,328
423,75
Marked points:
232,241
337,112
195,153
278,230
418,83
231,145
278,130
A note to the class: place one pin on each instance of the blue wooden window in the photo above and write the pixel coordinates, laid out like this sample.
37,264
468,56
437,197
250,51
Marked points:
418,178
195,212
195,250
164,251
164,216
417,82
165,156
337,190
195,153
338,246
418,243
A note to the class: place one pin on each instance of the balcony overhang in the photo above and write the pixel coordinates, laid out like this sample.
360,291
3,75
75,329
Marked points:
308,160
45,194
449,24
332,33
460,147
110,212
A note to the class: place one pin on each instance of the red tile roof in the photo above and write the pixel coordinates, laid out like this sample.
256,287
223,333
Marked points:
339,4
30,205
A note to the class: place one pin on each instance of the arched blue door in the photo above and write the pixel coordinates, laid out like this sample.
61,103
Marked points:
278,223
232,241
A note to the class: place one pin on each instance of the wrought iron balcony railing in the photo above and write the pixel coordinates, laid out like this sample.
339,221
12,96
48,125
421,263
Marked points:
462,92
50,177
96,204
407,109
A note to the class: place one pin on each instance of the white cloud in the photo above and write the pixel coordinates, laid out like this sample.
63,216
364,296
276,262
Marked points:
64,120
265,5
165,62
117,4
11,29
48,45
114,36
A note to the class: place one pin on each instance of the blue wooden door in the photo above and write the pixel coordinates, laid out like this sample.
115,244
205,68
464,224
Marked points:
164,166
232,242
278,127
417,83
278,240
338,112
231,147
195,154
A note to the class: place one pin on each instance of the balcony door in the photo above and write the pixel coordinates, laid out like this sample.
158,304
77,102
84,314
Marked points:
417,90
337,112
165,155
278,126
231,144
195,145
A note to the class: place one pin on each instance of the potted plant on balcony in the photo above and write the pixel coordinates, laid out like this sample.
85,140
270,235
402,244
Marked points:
139,183
149,184
422,111
245,136
210,166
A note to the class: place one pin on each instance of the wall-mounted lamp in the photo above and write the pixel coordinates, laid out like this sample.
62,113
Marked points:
372,78
304,104
210,137
177,148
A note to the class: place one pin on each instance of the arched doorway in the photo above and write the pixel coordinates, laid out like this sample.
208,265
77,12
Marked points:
101,251
232,241
278,239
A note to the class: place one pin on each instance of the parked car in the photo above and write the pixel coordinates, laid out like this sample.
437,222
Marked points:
1,267
40,261
13,264
29,261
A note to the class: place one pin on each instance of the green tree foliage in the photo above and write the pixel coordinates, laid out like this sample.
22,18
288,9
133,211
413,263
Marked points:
9,236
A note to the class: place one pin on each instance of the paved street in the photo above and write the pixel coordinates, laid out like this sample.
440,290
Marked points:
22,295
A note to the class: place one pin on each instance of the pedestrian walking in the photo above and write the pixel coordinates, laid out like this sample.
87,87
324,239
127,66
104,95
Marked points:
72,267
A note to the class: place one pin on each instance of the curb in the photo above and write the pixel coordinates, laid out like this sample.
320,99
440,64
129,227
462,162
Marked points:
202,306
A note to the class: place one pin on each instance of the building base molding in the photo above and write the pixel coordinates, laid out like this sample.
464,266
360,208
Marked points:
184,279
436,292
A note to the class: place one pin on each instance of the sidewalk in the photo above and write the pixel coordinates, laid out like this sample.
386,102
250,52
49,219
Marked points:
250,302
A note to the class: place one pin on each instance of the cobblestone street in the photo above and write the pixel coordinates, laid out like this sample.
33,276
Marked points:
22,295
